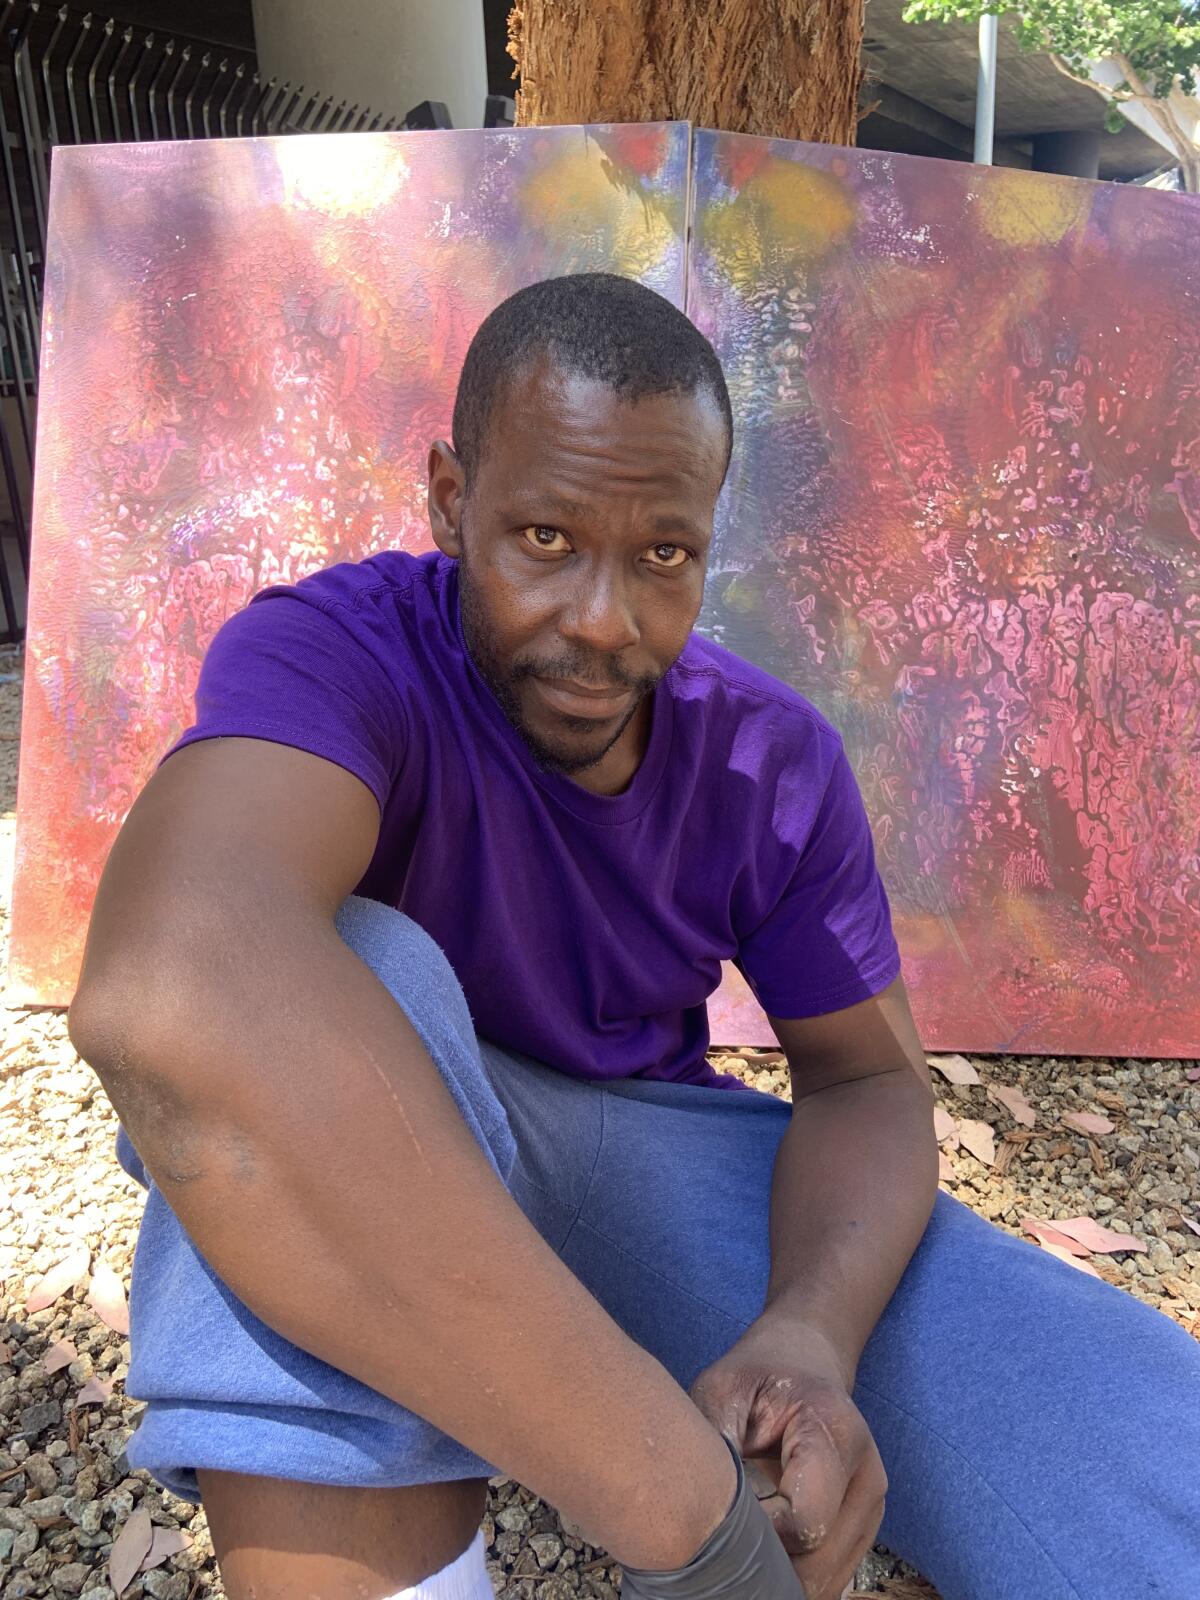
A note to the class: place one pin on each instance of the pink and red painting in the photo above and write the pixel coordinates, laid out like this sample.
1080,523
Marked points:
963,513
249,345
963,517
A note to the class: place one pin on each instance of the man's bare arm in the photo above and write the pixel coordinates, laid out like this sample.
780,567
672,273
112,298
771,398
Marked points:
263,1071
856,1173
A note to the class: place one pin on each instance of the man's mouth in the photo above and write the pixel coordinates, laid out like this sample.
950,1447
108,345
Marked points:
572,699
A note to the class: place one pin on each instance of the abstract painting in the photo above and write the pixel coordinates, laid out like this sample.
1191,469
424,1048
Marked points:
963,518
248,347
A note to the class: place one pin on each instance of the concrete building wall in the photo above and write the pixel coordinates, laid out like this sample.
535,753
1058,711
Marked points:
386,54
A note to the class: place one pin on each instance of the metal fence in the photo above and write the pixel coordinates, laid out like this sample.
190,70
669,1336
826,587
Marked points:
68,77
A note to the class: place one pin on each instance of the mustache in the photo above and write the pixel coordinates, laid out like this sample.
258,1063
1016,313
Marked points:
575,668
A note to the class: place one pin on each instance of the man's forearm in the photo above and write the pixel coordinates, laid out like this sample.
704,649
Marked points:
282,1082
854,1185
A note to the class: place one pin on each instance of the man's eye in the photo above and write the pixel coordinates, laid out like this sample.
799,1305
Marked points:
548,539
669,555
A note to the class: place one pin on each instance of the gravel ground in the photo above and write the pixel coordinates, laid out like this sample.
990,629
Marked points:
67,1496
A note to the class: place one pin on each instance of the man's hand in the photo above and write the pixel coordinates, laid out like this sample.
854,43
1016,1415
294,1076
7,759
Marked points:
781,1396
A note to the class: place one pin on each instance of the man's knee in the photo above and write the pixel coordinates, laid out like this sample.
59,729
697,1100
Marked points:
415,971
410,965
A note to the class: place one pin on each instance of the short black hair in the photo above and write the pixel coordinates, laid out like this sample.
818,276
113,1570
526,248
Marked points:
596,324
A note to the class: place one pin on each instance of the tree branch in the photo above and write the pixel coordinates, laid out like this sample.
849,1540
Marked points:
1102,89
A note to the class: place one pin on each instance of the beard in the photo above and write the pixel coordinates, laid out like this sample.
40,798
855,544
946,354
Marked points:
581,746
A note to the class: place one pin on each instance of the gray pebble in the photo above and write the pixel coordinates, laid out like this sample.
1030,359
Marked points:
45,1511
87,1515
41,1474
118,1503
69,1579
40,1416
164,1585
547,1548
25,1543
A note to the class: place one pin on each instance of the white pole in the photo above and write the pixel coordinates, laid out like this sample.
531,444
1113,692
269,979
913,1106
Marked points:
985,90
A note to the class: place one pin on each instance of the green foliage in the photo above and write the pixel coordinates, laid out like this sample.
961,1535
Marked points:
1157,41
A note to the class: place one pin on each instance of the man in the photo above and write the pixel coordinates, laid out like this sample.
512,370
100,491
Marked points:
437,1193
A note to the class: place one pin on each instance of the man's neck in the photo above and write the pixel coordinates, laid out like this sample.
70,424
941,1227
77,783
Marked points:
615,770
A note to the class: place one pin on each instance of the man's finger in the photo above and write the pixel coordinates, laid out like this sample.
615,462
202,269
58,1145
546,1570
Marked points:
725,1403
827,1574
814,1484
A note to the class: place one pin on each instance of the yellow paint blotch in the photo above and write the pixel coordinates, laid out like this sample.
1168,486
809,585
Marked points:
583,195
1029,208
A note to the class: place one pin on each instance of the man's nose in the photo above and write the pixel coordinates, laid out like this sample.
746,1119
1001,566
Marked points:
600,614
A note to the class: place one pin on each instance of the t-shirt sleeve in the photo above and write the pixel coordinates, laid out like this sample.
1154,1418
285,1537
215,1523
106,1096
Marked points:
828,941
295,673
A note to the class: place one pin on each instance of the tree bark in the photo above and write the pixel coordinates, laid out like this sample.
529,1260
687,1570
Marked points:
787,68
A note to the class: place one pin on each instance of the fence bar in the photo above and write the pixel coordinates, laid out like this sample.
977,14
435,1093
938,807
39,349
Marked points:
76,132
152,87
19,511
97,131
131,91
47,90
206,103
31,127
248,88
205,63
113,104
23,272
185,55
258,116
235,83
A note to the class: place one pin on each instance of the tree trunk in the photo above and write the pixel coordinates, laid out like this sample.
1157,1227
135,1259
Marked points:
787,68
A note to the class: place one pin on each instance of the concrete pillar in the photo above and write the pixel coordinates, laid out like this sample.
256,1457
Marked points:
1076,153
386,54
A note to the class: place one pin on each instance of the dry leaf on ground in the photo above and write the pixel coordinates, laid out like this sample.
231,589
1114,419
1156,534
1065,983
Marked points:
946,1172
1014,1102
130,1549
164,1543
60,1354
64,1275
955,1069
1088,1121
979,1139
944,1125
1188,1223
1047,1233
1071,1260
1095,1237
94,1393
106,1296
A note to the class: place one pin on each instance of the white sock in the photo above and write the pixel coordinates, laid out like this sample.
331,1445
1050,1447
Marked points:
465,1578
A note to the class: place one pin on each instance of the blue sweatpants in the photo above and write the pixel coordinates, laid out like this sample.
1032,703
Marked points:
1040,1429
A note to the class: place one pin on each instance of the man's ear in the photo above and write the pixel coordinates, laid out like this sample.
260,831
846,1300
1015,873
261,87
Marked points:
447,492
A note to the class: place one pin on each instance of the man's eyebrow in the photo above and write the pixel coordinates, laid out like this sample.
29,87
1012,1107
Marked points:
671,522
548,504
545,501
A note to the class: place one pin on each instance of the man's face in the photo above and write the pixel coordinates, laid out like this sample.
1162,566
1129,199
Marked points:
582,546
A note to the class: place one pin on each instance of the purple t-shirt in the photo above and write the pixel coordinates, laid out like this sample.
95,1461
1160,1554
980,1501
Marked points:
587,930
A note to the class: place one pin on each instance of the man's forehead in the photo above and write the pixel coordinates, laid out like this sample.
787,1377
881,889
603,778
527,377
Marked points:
543,410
